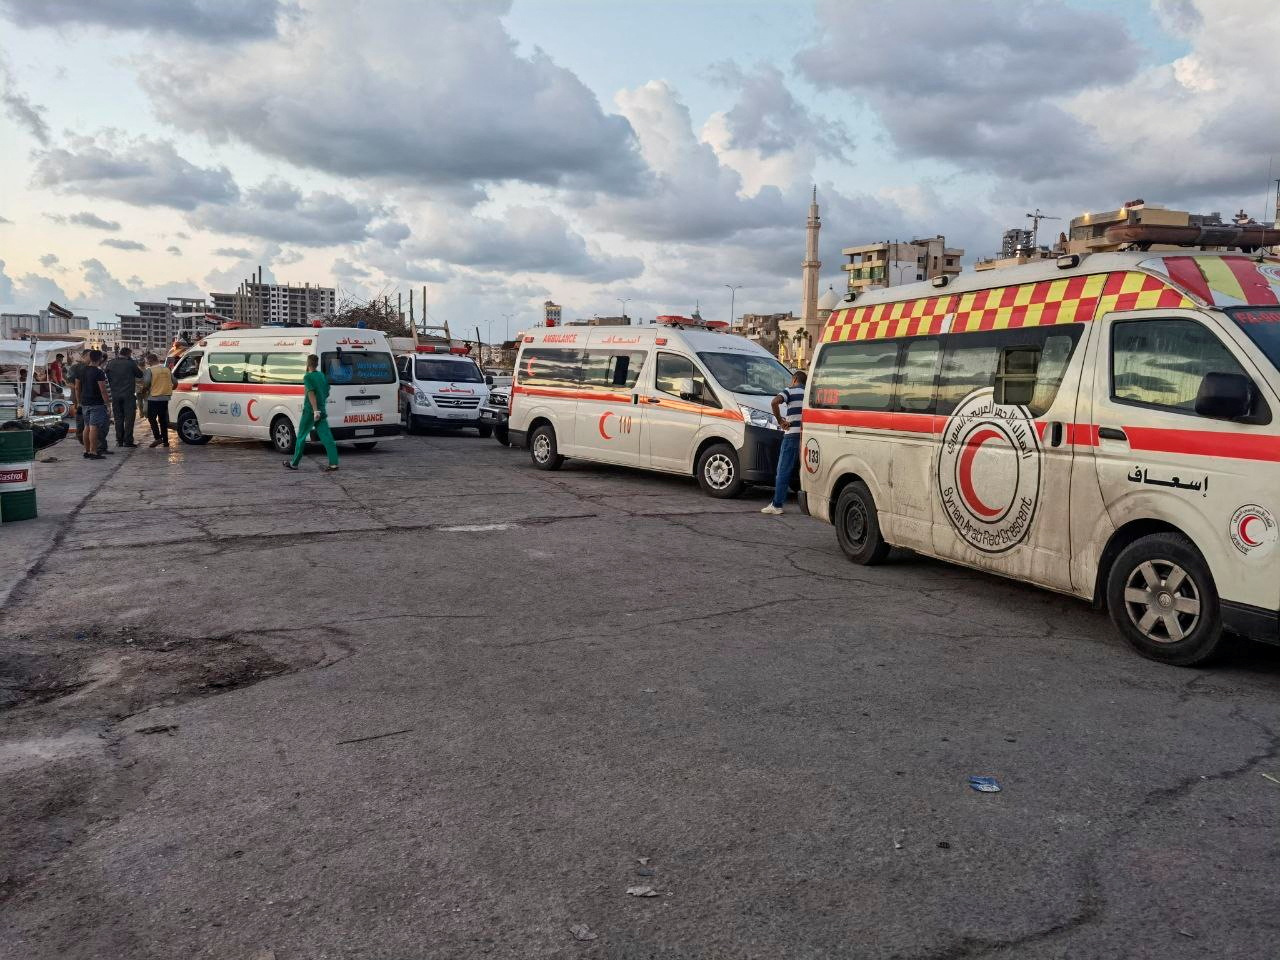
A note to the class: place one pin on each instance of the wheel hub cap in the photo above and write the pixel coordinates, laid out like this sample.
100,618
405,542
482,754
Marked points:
1162,601
719,472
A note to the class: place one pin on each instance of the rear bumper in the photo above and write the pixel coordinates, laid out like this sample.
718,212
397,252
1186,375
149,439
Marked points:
758,456
363,433
1252,622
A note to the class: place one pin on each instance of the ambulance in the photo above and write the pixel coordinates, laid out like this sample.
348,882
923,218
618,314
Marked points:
442,387
1105,425
677,398
248,384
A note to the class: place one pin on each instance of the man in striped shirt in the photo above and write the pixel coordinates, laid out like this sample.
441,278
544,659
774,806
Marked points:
792,398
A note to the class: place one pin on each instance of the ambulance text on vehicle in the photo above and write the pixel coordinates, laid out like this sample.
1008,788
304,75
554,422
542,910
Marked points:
677,399
1105,426
442,387
248,383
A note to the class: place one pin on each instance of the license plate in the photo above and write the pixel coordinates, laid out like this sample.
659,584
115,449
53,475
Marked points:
458,414
364,432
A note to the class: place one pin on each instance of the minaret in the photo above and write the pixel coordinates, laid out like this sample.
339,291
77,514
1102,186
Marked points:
809,309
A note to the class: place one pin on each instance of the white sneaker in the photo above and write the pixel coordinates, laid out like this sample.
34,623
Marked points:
772,510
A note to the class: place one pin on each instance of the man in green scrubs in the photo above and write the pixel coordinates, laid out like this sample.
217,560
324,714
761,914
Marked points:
314,407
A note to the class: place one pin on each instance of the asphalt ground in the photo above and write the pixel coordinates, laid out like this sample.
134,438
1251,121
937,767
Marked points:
440,705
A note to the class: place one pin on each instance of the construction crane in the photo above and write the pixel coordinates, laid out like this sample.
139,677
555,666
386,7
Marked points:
1035,226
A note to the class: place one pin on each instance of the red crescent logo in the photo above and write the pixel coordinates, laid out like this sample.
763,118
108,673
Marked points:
1244,529
529,367
965,472
603,417
249,409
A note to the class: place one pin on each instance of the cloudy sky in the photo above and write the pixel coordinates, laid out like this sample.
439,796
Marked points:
503,152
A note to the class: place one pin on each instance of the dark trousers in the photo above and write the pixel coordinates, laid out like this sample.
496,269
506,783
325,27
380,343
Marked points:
124,411
158,417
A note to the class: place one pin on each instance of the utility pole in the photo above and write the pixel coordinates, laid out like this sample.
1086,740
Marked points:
1035,226
624,301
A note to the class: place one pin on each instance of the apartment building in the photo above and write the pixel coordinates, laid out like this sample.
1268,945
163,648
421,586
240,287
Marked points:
888,264
264,304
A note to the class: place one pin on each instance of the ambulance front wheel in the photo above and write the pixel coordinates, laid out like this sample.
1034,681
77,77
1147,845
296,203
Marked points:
283,436
858,525
542,448
1162,599
719,473
485,430
189,428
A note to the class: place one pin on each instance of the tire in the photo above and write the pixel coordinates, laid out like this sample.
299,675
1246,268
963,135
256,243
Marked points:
858,525
406,419
502,435
366,445
1162,599
542,448
283,435
189,429
485,430
719,473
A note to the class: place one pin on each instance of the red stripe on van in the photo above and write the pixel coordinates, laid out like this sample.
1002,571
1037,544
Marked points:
1184,272
271,389
1205,443
876,420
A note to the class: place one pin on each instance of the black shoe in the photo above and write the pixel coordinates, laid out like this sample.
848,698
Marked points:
154,444
129,444
288,465
94,456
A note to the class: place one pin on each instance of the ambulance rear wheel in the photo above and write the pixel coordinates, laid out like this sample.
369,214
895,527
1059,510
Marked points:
719,473
858,525
189,428
283,436
1162,599
542,448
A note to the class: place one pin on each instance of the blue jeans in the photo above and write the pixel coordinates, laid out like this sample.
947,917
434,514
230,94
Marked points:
788,458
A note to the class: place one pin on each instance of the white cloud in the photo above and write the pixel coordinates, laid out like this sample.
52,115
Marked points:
277,210
204,20
432,93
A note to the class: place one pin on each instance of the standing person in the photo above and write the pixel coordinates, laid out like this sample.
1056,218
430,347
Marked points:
315,405
56,374
159,384
792,398
122,377
91,401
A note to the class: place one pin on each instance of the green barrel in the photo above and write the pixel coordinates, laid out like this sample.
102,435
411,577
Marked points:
17,476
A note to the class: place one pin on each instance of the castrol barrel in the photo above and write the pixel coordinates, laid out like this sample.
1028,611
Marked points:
17,476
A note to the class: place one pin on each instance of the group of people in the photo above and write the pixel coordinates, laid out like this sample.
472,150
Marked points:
106,390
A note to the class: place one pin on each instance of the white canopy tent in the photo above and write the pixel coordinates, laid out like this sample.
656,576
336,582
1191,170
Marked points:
31,354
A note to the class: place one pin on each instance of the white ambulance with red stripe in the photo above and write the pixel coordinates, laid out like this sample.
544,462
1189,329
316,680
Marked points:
442,387
678,397
1105,425
248,384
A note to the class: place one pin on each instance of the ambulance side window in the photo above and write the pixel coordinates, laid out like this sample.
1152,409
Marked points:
188,366
970,365
549,367
855,376
612,369
672,368
919,376
279,368
227,367
1160,363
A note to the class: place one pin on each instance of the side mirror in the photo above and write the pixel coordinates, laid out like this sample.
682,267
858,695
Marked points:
488,379
690,389
1225,396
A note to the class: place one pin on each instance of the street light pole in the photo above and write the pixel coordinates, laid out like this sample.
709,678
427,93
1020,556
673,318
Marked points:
624,301
506,326
733,293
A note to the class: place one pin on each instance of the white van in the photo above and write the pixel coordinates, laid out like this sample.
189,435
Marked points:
675,398
248,383
1105,426
442,387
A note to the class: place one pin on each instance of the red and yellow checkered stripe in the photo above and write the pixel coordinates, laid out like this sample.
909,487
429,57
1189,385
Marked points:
1069,300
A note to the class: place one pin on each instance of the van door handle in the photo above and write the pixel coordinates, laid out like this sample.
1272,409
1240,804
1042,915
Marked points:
652,399
1112,433
1055,434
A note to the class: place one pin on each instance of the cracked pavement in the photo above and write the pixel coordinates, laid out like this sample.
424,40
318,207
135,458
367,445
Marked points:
440,704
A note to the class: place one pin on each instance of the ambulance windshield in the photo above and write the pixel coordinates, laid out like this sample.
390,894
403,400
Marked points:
747,373
1262,326
438,369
